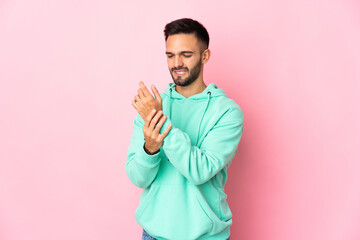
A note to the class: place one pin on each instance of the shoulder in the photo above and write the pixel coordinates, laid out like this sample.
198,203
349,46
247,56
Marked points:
227,106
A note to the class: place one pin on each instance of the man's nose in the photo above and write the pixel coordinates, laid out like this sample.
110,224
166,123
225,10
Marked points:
178,61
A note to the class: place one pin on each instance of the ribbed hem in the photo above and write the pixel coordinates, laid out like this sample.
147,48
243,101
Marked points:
220,236
147,160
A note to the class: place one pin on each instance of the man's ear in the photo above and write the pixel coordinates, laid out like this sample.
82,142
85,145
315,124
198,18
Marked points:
205,56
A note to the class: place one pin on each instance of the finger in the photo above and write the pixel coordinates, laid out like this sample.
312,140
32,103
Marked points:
140,113
149,118
138,100
135,105
160,124
156,93
141,93
155,120
165,133
137,109
144,89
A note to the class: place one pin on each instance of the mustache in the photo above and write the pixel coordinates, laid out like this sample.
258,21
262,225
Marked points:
179,68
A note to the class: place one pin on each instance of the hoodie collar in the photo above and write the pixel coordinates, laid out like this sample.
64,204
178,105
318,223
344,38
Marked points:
212,88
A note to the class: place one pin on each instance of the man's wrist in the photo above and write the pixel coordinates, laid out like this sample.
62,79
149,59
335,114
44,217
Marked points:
149,152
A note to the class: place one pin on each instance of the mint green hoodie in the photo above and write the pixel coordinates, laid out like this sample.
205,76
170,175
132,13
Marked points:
183,196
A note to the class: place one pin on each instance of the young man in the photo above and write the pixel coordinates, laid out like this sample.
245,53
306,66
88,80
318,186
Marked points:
182,144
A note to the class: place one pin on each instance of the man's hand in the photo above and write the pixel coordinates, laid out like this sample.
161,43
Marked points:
145,102
153,138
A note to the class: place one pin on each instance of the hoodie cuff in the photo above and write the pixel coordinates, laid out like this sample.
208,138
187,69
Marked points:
147,160
149,152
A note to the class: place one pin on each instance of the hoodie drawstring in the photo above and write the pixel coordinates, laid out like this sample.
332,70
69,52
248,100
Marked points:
207,105
170,97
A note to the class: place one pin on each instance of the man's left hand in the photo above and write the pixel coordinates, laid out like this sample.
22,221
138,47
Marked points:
145,102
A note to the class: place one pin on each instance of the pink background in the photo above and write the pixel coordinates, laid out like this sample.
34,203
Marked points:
69,70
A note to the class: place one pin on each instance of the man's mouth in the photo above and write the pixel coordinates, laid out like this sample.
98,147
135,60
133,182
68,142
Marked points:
180,72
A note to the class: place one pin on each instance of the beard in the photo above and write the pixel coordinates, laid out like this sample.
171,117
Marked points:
193,75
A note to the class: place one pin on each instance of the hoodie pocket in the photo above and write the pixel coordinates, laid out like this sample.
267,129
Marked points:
174,212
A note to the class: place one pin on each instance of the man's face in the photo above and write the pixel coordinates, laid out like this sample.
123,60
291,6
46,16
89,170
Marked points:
184,58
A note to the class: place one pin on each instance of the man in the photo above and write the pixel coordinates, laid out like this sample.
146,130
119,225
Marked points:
182,144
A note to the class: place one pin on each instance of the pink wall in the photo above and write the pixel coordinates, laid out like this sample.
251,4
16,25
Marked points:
69,70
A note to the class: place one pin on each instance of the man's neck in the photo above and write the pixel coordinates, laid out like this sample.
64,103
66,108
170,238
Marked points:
195,88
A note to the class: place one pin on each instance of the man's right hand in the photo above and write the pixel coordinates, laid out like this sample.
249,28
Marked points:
153,137
144,102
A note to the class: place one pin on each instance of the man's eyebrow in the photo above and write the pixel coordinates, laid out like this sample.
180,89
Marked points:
186,52
182,52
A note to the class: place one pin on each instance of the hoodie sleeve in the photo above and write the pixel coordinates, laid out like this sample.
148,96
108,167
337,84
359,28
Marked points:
199,164
141,168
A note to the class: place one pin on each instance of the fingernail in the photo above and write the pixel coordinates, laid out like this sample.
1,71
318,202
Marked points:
153,110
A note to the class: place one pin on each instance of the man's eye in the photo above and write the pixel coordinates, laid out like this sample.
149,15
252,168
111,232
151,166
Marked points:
187,55
170,56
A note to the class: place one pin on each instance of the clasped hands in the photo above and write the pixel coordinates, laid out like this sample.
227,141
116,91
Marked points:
150,109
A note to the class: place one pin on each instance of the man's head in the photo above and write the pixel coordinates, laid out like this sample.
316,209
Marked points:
187,43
